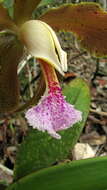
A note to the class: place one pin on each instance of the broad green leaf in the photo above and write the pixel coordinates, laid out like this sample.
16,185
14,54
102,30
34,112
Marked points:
5,21
89,174
10,53
87,20
39,150
23,10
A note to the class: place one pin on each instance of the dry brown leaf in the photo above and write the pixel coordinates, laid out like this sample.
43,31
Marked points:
11,51
93,138
87,20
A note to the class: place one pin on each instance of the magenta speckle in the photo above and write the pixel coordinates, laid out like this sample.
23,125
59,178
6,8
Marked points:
53,113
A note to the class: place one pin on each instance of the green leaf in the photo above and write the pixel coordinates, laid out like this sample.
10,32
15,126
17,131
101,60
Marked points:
39,150
23,10
89,174
10,53
8,3
45,2
83,20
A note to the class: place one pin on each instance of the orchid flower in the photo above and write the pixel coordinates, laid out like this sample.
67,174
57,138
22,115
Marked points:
52,113
41,42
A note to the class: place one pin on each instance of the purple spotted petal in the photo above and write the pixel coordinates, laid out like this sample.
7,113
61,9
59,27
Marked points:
53,114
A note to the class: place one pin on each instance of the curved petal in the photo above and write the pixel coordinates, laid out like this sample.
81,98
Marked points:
42,43
61,54
87,20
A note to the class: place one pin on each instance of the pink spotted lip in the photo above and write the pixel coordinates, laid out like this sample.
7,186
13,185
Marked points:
53,113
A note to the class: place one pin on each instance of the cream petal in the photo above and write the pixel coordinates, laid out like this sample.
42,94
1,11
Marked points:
61,53
39,41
